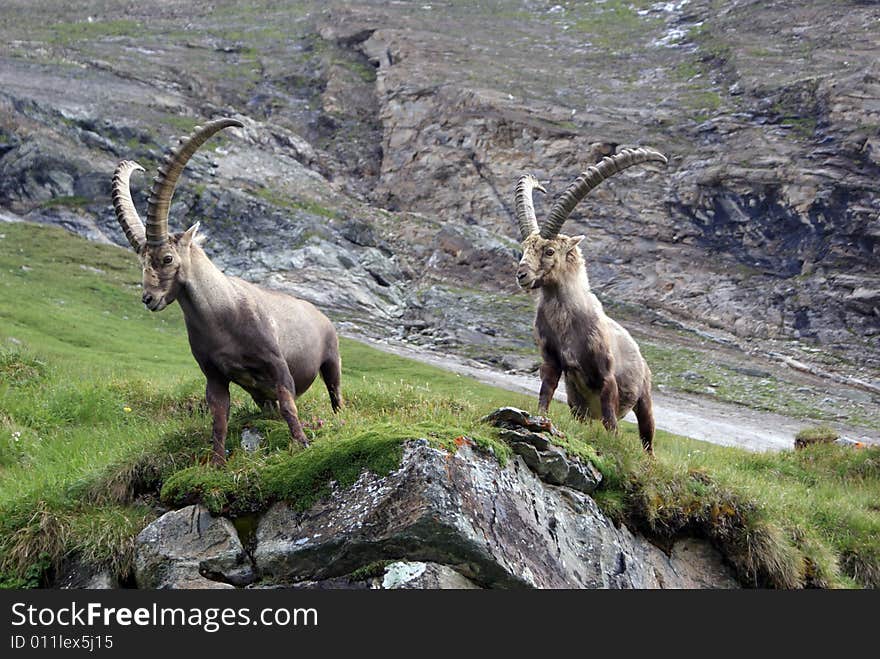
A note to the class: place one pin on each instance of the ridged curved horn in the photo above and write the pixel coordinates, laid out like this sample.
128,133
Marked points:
159,200
583,184
126,214
525,208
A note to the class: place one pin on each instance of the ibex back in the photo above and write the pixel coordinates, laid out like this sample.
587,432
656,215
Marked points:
270,344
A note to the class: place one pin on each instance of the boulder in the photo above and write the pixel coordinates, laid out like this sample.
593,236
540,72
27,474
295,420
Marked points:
498,527
190,548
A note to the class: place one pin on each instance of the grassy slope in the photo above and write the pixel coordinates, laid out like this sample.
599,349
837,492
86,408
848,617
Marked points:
101,413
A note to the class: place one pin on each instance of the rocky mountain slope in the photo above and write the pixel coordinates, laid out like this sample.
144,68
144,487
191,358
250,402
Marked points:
374,174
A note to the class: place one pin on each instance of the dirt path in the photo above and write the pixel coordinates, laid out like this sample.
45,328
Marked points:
691,416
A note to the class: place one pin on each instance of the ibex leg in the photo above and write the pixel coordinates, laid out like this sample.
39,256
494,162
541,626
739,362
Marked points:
644,410
609,398
286,392
217,395
330,373
550,374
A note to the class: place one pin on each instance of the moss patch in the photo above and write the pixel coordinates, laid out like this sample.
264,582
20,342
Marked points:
250,484
816,434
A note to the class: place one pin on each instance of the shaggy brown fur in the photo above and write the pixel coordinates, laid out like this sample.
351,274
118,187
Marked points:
270,344
605,373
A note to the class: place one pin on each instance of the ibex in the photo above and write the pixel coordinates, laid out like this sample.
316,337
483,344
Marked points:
270,344
605,373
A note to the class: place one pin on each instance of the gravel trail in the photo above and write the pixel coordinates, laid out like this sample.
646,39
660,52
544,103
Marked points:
692,416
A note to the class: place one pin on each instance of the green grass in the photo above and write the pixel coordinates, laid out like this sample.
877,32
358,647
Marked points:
702,99
101,416
818,434
305,205
363,70
70,202
67,33
182,123
804,127
613,24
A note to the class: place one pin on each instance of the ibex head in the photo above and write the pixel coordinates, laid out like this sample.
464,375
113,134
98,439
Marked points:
164,257
548,256
545,261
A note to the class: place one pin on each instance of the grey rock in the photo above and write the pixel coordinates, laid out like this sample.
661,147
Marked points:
398,575
582,476
530,455
403,575
555,466
10,217
550,462
251,440
498,527
76,221
380,266
539,441
692,563
360,233
190,548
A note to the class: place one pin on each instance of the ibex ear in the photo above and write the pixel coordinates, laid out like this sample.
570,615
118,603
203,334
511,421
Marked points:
574,241
189,235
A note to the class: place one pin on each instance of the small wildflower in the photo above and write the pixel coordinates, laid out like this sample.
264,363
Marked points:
126,409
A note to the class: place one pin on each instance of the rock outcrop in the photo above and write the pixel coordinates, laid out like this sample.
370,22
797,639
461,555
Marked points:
531,438
498,527
442,520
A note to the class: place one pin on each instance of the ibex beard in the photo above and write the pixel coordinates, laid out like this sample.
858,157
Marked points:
271,344
604,371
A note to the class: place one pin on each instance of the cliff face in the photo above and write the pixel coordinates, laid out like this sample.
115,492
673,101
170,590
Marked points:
765,223
375,172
